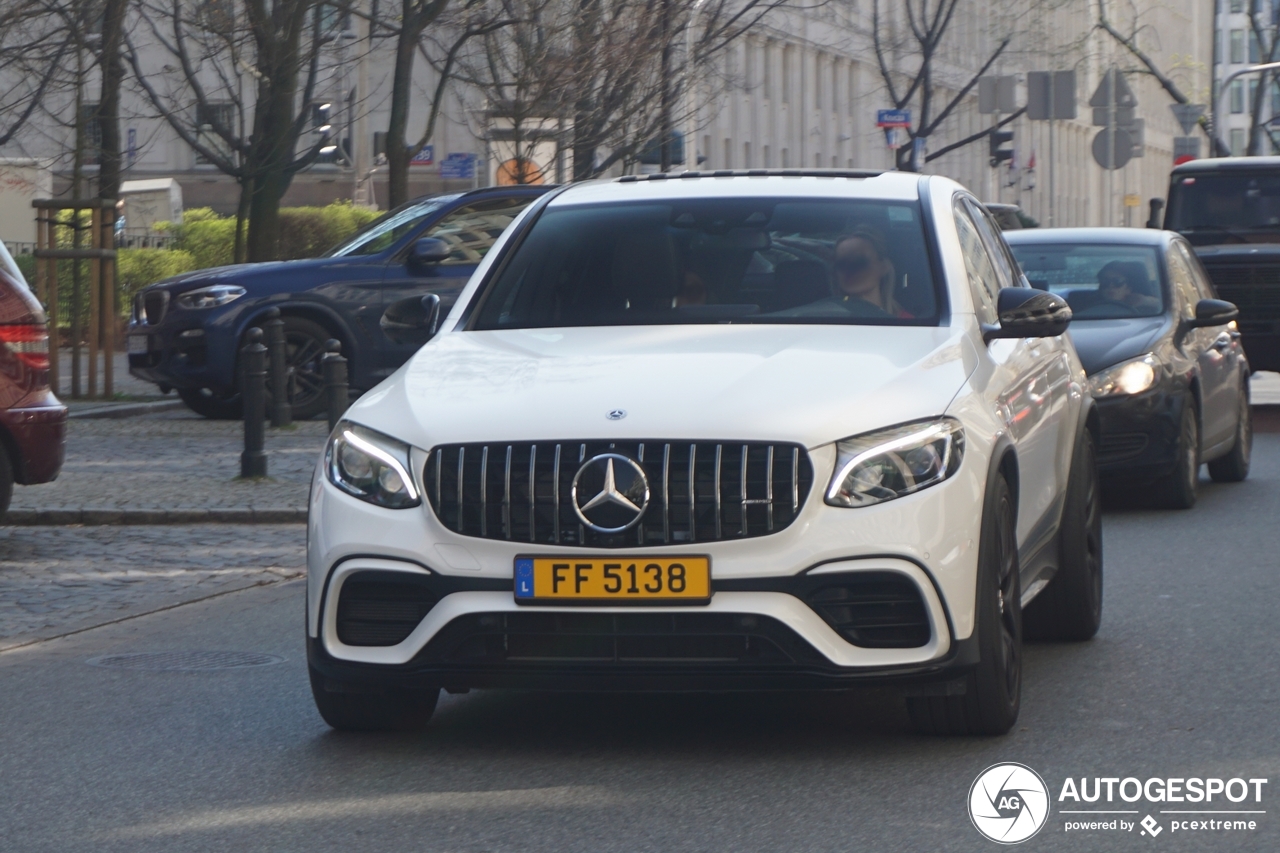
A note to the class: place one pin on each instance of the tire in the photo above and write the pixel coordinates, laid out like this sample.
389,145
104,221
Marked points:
993,689
1178,490
209,405
6,480
1070,607
392,710
304,346
1234,467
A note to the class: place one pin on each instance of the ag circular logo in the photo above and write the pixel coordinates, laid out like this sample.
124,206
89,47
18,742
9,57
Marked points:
1008,803
610,493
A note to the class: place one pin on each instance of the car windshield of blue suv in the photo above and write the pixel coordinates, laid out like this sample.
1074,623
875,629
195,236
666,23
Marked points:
1099,282
739,260
385,231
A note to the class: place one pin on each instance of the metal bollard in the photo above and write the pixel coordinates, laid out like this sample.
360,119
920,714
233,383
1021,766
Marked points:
278,367
335,380
253,391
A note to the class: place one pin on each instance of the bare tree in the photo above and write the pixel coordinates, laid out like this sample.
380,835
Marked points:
33,45
916,79
241,95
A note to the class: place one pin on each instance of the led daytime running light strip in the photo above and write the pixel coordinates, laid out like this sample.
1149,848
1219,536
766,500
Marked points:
915,439
384,457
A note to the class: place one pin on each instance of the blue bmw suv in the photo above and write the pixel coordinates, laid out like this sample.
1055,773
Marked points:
185,332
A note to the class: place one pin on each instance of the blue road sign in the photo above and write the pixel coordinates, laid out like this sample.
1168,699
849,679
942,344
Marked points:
458,166
893,118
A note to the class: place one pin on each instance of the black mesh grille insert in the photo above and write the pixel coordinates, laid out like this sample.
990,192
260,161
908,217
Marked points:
699,491
620,639
380,608
1254,288
877,610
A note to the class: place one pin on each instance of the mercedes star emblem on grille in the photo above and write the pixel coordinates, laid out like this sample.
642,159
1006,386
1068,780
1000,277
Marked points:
617,414
610,493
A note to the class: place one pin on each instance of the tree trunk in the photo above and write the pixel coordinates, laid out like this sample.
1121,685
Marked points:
397,126
109,164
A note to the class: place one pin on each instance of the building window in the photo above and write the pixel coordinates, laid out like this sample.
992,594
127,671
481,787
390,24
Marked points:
1275,98
1237,6
1254,49
1237,96
1237,46
209,116
1237,141
1253,94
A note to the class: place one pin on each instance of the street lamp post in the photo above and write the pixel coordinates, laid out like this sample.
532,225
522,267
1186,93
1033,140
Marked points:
1225,93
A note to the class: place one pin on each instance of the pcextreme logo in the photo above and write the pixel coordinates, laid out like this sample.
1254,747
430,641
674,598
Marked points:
1008,803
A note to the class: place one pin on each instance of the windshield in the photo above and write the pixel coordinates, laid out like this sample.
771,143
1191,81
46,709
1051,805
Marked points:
1099,282
385,231
718,261
1214,207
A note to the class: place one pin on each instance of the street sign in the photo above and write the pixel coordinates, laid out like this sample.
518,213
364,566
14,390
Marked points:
893,118
1102,95
997,94
458,166
1102,148
1050,95
1102,116
1188,115
425,157
1186,146
1132,200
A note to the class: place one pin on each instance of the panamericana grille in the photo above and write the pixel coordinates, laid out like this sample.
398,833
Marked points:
699,491
381,608
1254,288
875,610
153,303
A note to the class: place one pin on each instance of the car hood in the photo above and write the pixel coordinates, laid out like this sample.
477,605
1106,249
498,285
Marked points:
809,384
1102,343
244,273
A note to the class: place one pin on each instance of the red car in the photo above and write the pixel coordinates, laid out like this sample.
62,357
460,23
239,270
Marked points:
33,424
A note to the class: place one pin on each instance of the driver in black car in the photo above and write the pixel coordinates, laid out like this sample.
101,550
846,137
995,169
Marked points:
1123,282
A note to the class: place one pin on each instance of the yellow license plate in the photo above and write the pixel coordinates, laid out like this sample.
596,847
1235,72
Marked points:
613,580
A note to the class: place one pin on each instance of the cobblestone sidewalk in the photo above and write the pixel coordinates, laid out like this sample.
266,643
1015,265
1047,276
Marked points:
55,580
171,466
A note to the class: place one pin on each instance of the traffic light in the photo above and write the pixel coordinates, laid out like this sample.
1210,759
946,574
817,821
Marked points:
996,139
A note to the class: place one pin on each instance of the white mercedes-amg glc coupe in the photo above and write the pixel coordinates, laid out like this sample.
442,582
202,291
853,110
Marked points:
715,431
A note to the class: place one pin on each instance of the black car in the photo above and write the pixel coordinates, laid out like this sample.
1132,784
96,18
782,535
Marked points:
1229,210
185,332
1165,362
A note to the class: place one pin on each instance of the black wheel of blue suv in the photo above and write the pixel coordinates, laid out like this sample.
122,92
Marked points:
304,342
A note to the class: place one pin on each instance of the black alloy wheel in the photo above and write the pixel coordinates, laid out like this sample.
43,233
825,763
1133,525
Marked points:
993,689
1234,467
1070,607
1179,489
304,347
391,710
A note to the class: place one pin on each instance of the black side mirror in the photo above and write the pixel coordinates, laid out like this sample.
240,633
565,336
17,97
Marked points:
428,251
1028,313
412,321
1213,312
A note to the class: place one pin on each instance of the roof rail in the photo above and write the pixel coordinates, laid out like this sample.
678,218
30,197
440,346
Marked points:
753,173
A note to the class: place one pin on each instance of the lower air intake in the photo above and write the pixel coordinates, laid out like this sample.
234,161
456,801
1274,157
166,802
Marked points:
379,608
875,610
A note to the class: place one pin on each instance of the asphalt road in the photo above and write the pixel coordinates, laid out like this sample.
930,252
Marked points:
1181,682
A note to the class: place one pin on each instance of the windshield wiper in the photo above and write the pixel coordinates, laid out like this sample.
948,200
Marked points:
1211,226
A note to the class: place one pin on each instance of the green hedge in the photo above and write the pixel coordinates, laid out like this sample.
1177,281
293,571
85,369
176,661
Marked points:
305,232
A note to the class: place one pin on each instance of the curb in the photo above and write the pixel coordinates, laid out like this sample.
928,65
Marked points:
125,410
105,516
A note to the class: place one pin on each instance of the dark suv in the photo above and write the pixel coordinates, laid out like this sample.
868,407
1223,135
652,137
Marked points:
1229,209
185,332
33,423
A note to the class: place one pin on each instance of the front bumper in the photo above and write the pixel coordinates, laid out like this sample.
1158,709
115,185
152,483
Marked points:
1138,435
39,435
187,350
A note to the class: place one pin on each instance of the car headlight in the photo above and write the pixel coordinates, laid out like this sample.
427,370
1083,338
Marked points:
1130,377
211,296
890,463
370,466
